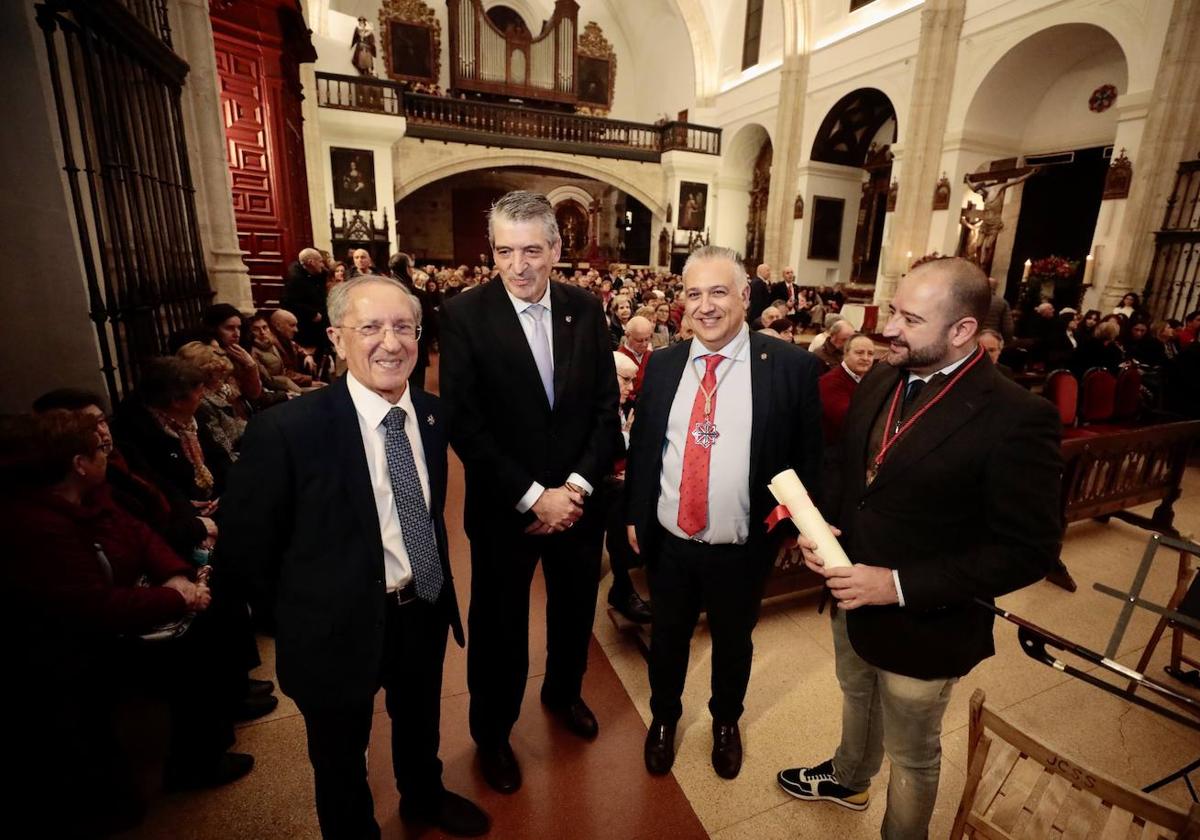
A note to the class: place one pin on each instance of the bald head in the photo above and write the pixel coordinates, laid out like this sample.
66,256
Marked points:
637,334
962,286
763,272
284,323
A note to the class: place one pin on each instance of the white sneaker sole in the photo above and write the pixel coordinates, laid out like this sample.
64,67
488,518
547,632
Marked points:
845,803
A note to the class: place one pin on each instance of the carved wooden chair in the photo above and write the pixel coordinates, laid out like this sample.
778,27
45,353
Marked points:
1019,787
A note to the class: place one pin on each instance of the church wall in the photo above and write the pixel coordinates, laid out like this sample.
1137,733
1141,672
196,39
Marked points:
1062,121
48,340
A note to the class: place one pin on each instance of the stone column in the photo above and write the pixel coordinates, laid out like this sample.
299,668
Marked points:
922,133
205,132
793,85
1172,134
314,161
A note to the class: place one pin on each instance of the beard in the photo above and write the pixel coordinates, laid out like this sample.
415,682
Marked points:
918,357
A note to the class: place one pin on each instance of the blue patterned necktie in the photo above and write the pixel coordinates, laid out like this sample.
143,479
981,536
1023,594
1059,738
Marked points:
416,526
541,350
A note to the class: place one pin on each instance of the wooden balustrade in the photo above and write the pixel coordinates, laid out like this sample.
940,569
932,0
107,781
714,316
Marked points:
489,123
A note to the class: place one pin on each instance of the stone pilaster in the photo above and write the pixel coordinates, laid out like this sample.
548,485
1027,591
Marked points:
205,133
922,132
1172,134
787,153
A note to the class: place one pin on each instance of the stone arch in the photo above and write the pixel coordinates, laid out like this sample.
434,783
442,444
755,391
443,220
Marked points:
704,48
983,73
569,192
413,181
850,127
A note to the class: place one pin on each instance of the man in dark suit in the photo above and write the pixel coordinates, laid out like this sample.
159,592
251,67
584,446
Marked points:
718,418
333,516
527,373
949,492
760,292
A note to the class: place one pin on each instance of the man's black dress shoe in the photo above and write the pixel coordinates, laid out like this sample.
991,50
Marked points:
575,715
659,751
187,776
260,688
631,605
727,750
453,814
255,706
500,768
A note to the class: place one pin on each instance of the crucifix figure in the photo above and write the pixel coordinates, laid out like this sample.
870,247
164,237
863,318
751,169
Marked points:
981,244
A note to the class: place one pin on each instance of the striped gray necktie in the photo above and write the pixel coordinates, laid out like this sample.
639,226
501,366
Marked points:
416,526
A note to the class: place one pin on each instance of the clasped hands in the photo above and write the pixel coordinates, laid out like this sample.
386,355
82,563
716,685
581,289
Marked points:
197,595
557,509
854,586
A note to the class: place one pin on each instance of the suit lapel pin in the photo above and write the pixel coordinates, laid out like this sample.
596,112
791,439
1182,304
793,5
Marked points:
429,420
763,357
568,319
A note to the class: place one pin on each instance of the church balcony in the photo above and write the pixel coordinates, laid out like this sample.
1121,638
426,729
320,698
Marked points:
512,126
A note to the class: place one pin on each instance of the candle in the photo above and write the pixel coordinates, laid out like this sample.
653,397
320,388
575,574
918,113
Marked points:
1088,266
1025,275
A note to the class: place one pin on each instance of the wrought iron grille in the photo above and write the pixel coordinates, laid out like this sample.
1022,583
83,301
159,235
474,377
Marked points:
1173,289
116,86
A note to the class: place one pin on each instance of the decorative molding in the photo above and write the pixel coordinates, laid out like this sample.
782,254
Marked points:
1118,178
412,12
941,193
593,44
1102,98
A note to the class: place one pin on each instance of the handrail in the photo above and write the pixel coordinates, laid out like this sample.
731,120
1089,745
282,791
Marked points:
449,118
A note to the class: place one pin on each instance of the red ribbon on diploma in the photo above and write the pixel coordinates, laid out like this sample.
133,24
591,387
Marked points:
776,516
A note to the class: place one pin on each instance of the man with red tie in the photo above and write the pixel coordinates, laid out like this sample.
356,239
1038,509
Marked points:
718,417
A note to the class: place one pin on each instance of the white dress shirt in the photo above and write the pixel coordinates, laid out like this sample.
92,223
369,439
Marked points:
535,490
851,373
371,409
729,462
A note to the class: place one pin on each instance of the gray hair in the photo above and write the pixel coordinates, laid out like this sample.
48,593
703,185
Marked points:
716,252
310,254
339,296
524,206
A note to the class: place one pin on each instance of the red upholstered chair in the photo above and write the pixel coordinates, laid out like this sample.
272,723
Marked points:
1062,389
1128,400
1098,395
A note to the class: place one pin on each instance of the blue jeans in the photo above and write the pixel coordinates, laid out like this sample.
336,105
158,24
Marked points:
902,715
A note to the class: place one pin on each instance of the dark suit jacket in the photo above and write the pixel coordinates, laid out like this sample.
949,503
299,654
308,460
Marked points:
299,528
502,426
785,432
965,506
760,299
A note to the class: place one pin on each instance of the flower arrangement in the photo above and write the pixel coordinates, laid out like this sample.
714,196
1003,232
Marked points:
1053,268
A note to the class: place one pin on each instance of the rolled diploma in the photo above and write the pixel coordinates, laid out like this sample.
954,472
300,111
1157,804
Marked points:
788,490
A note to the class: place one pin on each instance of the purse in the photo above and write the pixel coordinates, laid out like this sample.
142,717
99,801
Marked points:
160,632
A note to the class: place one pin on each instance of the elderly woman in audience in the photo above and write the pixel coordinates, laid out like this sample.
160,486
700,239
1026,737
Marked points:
133,485
784,328
216,411
1102,350
663,328
157,423
620,310
84,580
224,324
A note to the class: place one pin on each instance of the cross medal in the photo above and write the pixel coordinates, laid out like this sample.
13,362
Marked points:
705,432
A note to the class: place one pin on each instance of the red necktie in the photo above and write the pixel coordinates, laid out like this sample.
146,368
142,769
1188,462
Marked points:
693,485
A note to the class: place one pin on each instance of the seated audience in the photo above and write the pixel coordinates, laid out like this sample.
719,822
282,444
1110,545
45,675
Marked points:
1191,326
298,364
266,352
1144,348
1130,306
620,310
216,411
1101,350
84,580
172,515
224,323
993,344
664,329
1167,333
829,352
837,385
156,424
784,328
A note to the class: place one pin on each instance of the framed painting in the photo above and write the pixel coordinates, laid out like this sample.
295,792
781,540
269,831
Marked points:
693,205
353,178
825,238
595,81
410,52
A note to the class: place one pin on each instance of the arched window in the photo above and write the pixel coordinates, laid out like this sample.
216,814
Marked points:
753,34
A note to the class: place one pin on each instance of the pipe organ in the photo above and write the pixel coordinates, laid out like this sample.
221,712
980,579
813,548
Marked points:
513,63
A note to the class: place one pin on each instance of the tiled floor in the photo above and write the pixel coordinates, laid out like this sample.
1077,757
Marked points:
575,790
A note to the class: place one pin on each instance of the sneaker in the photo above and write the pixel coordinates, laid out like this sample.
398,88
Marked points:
820,783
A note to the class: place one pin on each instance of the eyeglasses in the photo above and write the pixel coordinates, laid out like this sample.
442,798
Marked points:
371,332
